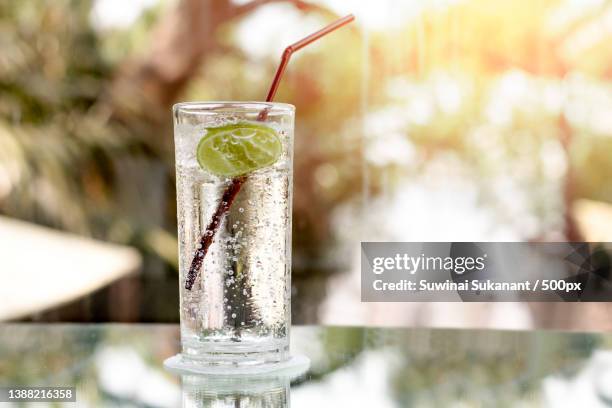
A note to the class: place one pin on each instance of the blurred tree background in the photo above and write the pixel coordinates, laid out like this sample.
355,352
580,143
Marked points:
517,92
513,96
85,126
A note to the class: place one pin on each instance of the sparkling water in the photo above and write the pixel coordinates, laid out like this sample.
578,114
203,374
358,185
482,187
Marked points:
238,310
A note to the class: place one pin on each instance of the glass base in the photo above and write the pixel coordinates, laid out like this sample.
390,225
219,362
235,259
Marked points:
231,353
293,366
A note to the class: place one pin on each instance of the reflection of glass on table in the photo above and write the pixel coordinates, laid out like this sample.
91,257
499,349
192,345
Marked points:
244,392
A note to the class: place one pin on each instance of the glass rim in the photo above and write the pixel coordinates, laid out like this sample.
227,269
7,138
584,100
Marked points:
195,107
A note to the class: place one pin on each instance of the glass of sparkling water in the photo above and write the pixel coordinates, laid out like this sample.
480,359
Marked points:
234,165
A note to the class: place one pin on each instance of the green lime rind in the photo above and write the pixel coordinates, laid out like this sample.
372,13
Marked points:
237,149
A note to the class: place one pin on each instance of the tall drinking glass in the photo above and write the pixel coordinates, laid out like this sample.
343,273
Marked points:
238,309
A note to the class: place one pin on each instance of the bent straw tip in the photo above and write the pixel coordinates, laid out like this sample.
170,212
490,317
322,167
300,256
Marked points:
344,20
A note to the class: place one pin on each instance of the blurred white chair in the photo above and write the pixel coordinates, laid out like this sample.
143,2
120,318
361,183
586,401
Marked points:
41,268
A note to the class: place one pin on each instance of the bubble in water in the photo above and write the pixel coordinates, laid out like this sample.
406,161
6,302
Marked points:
241,209
233,315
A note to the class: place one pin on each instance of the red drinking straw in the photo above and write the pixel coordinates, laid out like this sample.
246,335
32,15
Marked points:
298,46
232,190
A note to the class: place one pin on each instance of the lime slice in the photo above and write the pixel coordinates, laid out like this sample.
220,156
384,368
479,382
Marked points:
237,149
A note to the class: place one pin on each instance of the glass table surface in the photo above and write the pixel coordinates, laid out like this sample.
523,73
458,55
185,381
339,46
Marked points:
122,365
